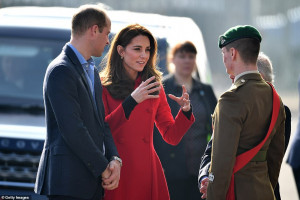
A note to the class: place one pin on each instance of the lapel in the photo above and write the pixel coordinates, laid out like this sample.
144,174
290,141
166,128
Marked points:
173,88
78,67
203,95
98,93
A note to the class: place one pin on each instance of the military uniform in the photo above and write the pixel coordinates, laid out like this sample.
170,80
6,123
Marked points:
241,121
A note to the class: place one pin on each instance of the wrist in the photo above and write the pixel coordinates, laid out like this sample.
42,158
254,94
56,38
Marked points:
116,158
188,113
186,109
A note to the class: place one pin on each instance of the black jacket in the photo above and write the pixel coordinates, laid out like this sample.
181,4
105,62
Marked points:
173,158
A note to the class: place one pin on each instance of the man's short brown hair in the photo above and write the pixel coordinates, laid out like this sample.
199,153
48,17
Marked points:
87,16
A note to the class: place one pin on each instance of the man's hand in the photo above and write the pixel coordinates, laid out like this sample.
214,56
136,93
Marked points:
106,174
203,187
232,78
112,182
183,101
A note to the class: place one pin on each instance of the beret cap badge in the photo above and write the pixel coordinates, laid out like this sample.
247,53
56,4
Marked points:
239,32
222,40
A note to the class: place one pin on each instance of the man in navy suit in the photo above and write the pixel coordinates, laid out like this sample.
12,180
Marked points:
79,157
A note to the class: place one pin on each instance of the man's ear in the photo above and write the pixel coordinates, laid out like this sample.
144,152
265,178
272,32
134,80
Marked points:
93,29
233,53
120,50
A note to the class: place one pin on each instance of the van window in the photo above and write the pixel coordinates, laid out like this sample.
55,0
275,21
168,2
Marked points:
23,63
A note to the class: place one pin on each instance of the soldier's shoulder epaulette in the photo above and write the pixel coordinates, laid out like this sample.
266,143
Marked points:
238,84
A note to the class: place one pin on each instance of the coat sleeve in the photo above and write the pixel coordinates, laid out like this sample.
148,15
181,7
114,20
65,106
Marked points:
206,158
205,162
171,130
114,117
62,93
228,121
109,145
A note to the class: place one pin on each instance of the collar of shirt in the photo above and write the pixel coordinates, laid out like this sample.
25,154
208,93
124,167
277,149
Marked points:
89,63
244,73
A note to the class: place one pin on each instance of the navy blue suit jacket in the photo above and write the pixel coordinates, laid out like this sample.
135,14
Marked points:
72,159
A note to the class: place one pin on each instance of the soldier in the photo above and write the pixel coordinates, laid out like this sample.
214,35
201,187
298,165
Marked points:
241,121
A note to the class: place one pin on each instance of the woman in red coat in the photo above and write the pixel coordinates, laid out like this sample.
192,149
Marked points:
134,100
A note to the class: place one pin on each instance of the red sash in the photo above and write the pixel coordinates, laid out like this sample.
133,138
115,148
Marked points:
244,158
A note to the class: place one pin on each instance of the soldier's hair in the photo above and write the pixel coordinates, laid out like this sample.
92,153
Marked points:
248,49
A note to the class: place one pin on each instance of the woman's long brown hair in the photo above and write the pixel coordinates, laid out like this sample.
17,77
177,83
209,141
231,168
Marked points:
114,76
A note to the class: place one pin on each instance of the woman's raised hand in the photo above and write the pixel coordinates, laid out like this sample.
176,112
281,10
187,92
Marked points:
145,89
183,101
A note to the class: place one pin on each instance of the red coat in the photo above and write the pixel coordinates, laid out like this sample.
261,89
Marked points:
142,176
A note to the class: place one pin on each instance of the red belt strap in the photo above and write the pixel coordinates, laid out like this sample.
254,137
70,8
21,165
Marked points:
244,158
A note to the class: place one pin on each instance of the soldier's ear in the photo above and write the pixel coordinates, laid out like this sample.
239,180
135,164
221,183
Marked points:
233,53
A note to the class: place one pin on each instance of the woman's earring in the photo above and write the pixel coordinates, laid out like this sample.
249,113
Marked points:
122,57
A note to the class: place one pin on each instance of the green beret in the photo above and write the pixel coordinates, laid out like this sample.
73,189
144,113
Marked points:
238,32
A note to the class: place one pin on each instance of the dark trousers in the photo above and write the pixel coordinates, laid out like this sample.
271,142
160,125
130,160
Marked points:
184,189
296,173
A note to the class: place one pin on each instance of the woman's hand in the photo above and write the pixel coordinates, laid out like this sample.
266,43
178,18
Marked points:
183,101
145,89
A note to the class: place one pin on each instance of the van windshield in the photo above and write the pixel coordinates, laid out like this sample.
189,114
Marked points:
23,63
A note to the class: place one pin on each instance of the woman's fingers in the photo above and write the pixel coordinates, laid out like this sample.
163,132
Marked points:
173,97
146,82
154,89
143,92
184,89
151,85
183,101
